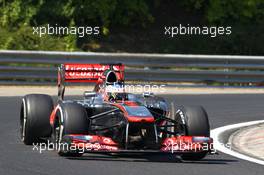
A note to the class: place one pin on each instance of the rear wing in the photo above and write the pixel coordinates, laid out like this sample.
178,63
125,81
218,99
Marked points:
80,73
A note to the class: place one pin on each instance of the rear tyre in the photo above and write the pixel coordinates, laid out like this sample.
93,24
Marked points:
196,124
34,118
72,119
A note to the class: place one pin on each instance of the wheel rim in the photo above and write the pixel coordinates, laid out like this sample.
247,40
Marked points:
23,120
56,134
180,124
22,136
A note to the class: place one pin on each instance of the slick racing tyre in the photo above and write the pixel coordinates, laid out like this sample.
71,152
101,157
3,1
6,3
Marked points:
71,119
196,124
34,118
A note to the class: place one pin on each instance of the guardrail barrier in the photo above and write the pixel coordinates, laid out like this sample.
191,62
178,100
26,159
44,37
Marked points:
39,67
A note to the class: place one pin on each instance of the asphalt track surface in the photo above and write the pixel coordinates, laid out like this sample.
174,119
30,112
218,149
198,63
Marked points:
18,159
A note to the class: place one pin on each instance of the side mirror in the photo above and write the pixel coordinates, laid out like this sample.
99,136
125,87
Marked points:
148,94
89,94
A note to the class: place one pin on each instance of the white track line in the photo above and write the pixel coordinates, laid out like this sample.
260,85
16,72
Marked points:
215,134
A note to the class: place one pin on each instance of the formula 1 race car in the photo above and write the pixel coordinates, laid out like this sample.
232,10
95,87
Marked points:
111,120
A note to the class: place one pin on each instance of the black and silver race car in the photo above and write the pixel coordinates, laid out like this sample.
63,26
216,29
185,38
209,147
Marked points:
110,120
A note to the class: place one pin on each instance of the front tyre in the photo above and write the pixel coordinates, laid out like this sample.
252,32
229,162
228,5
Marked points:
196,124
34,118
71,119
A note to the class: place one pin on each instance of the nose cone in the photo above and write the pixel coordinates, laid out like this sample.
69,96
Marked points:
138,114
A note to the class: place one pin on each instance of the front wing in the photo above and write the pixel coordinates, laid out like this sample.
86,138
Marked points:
176,144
